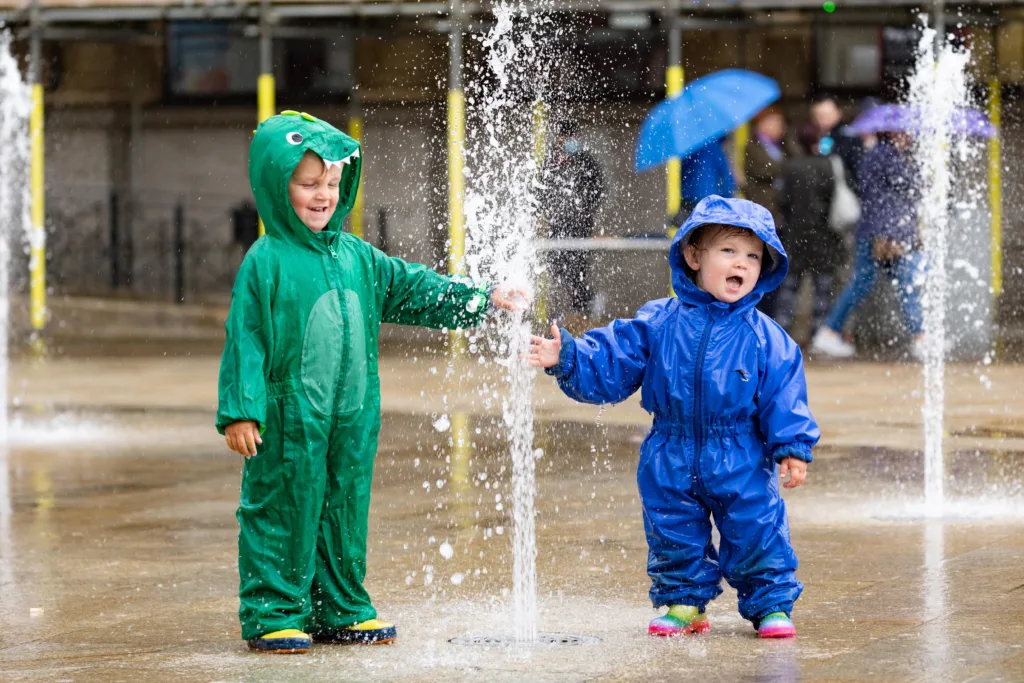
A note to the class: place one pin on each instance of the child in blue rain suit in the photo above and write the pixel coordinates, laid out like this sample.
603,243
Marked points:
726,387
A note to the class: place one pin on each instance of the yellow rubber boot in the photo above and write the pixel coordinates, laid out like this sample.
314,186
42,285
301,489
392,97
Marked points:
290,641
370,632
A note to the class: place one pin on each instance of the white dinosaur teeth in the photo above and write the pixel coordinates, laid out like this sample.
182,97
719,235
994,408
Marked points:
328,164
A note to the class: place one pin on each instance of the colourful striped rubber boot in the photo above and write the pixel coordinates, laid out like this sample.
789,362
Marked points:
372,632
290,641
680,620
776,625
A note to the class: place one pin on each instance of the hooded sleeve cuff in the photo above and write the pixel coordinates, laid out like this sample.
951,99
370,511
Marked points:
798,450
566,357
224,422
479,304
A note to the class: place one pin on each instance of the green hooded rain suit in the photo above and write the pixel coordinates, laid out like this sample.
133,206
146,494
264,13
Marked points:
301,361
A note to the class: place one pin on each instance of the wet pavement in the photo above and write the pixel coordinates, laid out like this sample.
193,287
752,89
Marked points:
117,560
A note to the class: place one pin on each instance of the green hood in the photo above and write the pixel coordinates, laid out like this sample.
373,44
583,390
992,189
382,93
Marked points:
276,150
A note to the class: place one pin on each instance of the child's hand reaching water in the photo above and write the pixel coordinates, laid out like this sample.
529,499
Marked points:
544,352
510,297
796,469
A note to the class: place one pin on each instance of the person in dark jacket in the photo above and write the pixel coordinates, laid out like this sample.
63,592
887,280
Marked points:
837,139
726,386
815,249
886,240
573,188
763,160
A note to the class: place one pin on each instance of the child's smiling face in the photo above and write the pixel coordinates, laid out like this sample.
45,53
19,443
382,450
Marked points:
313,191
727,262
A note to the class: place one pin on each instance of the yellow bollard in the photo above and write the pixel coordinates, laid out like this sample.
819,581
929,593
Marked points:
995,198
739,154
456,181
456,193
540,126
355,131
673,87
37,253
673,170
995,184
265,103
540,129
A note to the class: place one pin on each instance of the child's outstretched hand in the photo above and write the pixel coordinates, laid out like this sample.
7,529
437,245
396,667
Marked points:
242,437
796,469
544,352
510,297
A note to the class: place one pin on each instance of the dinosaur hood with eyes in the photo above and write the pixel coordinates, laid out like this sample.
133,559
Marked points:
276,150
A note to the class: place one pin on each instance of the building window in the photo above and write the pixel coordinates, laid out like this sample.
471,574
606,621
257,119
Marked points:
849,57
210,60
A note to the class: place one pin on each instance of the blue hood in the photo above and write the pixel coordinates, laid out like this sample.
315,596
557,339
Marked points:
742,214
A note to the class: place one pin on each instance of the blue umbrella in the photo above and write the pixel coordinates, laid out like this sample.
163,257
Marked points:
904,118
707,109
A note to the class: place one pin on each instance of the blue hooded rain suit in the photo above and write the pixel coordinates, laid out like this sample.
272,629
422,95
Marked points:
726,387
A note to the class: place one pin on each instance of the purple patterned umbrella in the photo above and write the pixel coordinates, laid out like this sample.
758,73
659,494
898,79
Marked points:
903,118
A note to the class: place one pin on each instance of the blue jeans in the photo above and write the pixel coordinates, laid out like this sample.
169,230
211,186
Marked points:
908,271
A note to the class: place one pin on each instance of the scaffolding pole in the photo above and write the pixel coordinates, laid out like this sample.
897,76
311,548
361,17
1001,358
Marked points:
673,87
456,157
539,133
674,79
995,191
456,143
265,94
37,243
355,131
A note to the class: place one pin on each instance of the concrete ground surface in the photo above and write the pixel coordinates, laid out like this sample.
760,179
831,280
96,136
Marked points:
118,556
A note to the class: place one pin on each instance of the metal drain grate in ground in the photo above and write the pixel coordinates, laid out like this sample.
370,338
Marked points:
543,640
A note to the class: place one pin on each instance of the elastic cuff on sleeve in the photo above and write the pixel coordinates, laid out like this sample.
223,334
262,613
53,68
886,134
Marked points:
224,423
485,289
800,451
566,357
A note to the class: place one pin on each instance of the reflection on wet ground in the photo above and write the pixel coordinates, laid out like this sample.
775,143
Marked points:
118,563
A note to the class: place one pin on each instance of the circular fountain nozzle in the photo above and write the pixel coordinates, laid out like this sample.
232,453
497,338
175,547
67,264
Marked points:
543,640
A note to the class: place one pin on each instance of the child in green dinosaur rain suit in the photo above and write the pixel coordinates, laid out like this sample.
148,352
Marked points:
298,378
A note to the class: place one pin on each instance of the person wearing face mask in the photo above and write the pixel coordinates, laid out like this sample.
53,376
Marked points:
836,138
573,187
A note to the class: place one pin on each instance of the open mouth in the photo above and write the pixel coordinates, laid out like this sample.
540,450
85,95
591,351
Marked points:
734,282
322,209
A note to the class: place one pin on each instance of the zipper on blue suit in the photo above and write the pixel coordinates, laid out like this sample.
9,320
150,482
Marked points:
698,404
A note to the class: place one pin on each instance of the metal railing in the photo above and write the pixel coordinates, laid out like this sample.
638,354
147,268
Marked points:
146,245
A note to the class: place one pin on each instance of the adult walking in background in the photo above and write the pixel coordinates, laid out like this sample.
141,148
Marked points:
764,158
573,188
886,240
827,115
815,249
